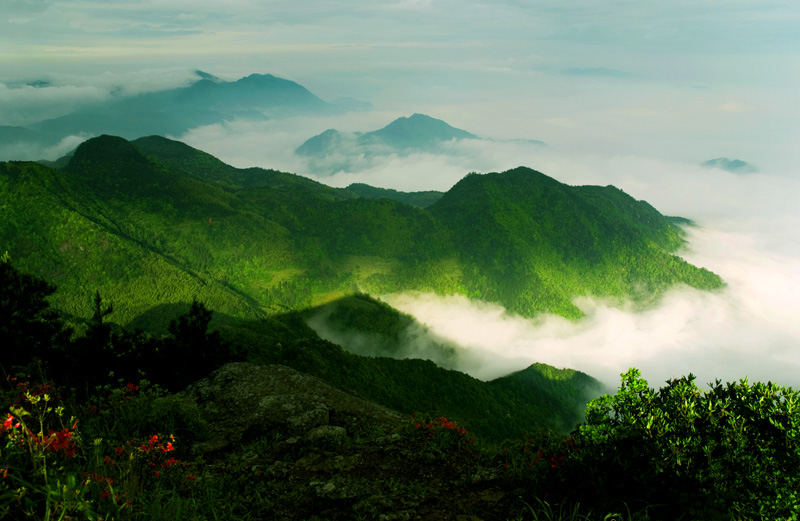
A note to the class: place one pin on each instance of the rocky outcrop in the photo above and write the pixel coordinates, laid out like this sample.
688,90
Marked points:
241,401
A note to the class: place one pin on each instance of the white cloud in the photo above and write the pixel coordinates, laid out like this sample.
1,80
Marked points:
748,330
25,104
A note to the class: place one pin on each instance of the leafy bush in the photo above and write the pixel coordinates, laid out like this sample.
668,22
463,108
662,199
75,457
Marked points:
732,451
125,411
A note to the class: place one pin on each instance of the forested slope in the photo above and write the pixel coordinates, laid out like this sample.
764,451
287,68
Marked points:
158,222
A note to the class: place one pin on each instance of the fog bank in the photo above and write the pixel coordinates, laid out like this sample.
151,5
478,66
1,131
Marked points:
749,329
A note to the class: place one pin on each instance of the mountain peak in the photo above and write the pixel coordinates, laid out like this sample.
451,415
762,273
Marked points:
206,76
735,166
107,148
416,131
261,79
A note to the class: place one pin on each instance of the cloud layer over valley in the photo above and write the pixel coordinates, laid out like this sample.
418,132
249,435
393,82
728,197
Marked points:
749,329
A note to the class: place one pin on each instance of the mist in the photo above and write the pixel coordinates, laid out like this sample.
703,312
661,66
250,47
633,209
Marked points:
749,329
415,341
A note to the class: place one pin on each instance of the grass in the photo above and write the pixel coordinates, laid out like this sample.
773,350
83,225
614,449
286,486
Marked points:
544,511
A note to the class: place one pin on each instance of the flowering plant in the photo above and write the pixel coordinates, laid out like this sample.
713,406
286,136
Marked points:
439,433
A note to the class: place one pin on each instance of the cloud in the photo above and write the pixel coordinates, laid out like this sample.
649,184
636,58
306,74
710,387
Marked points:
32,151
25,104
748,330
49,95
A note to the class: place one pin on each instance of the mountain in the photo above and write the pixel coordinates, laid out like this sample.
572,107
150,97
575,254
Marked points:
541,242
154,221
154,224
333,151
735,166
416,132
321,144
207,100
369,327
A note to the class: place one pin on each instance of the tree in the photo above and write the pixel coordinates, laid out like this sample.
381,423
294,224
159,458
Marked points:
191,351
28,327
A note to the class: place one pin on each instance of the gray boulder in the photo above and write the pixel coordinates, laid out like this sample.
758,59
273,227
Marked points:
241,401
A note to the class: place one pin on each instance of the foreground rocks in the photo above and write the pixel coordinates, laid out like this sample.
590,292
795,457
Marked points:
243,401
311,452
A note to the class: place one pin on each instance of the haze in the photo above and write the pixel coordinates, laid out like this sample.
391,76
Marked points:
630,93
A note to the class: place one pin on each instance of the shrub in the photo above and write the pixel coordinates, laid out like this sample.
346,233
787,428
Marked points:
438,434
731,451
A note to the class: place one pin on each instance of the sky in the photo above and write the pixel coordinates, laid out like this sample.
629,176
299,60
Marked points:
634,93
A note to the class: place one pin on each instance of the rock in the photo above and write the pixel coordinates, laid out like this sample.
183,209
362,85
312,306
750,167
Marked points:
241,401
297,413
326,435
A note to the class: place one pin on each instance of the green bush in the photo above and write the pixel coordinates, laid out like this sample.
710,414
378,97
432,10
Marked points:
731,451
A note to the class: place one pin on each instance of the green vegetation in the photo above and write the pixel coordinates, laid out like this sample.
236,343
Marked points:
727,452
143,239
155,223
79,441
418,199
121,451
540,397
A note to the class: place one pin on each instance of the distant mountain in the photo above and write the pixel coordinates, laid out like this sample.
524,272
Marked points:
735,166
333,151
172,112
416,132
321,144
155,222
206,101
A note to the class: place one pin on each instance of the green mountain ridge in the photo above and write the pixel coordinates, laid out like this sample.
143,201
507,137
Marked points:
278,241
